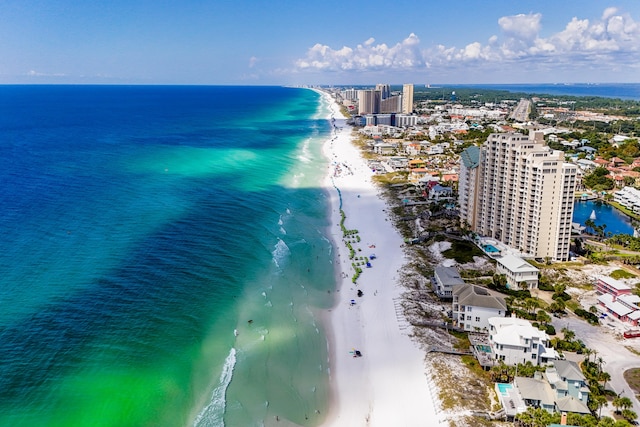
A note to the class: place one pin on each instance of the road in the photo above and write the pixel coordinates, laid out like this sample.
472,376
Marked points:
613,350
521,112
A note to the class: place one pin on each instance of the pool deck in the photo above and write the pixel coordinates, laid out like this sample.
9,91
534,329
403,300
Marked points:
511,401
485,359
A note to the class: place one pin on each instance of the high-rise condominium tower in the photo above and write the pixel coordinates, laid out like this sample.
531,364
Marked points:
519,191
368,102
384,89
407,98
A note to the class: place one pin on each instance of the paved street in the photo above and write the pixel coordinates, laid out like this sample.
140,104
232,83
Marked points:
521,112
609,345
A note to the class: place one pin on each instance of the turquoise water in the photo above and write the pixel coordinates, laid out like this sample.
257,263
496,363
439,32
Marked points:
504,388
164,259
490,249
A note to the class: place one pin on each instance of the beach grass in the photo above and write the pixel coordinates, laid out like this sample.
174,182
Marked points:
462,251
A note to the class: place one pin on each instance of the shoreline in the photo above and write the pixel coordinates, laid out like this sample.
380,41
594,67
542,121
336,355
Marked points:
388,385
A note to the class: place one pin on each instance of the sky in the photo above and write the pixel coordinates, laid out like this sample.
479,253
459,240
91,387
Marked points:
328,42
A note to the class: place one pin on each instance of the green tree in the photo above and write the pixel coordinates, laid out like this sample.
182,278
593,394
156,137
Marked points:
543,317
568,334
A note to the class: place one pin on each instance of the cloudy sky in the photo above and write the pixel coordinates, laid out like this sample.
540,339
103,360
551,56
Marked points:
289,42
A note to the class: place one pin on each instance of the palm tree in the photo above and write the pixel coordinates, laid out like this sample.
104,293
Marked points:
604,377
587,352
629,415
569,335
601,401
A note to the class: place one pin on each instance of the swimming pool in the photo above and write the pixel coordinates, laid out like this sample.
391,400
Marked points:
490,249
504,388
484,348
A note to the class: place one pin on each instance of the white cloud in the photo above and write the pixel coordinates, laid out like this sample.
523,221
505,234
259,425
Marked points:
611,41
34,73
521,27
366,56
253,61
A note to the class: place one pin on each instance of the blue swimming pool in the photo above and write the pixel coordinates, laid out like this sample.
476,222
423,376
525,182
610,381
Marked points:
504,388
490,249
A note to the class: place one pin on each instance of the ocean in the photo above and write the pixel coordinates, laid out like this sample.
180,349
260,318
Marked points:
164,259
624,91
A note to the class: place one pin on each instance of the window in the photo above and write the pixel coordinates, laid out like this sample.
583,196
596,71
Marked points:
477,319
533,356
468,317
535,345
468,308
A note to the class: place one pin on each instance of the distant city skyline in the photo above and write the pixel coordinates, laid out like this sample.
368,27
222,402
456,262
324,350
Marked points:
331,42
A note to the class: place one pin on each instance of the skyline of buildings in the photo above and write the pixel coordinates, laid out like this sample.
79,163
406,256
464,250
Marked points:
381,100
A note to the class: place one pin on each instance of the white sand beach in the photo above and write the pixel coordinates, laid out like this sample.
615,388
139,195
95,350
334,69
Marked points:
388,385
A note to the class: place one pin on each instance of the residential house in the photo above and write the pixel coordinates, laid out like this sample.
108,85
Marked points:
569,385
412,149
473,306
517,272
444,279
560,388
536,392
398,162
417,163
513,340
417,174
437,192
384,148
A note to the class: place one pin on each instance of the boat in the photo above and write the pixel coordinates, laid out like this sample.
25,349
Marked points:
593,215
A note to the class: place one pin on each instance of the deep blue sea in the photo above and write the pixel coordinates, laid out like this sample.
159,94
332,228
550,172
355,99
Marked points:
163,259
625,91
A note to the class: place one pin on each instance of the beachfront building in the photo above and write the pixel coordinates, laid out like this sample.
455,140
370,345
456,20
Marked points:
368,101
518,272
407,98
444,280
513,340
438,192
560,388
522,194
473,306
468,183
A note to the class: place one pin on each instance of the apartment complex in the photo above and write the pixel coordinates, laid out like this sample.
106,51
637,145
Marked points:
520,193
368,101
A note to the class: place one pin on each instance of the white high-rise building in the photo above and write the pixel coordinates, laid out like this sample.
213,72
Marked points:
520,193
407,98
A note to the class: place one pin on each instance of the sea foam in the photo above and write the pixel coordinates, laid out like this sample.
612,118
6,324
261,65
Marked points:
280,253
213,414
